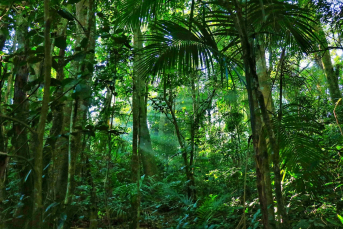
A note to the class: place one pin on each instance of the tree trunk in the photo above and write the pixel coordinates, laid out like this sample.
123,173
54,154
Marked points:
38,162
264,81
252,86
145,149
331,78
169,101
20,138
85,14
135,201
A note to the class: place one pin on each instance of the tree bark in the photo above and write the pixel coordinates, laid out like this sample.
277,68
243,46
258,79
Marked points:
331,77
169,101
20,138
264,81
55,179
135,201
38,162
252,86
85,14
145,148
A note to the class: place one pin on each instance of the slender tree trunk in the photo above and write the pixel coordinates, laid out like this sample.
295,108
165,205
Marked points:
145,149
57,109
267,109
108,181
264,81
252,86
38,162
135,201
85,14
169,101
55,179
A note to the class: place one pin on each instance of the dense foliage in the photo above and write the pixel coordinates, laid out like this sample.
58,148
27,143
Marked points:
171,114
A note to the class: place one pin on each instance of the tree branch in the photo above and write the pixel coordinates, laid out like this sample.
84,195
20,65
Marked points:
20,122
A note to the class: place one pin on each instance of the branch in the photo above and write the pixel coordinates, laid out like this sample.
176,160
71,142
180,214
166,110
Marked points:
20,157
20,122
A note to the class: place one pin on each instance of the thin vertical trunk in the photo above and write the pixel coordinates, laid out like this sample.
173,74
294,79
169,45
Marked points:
169,101
38,162
74,138
264,81
252,86
135,201
52,157
85,14
108,181
145,149
267,109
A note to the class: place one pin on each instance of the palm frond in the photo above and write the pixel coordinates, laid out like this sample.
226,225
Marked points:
136,12
174,46
286,21
299,137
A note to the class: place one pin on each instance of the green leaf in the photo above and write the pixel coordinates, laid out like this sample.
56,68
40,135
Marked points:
40,49
54,64
78,56
51,205
61,42
333,222
340,218
55,82
84,42
83,91
65,14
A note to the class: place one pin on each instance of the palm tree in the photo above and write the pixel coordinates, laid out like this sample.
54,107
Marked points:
193,44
